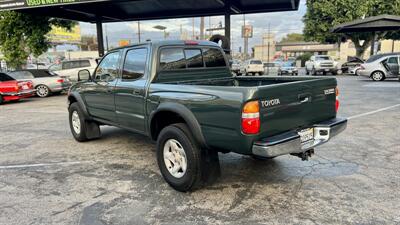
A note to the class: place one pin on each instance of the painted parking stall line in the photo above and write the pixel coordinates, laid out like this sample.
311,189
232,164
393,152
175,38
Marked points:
373,112
23,166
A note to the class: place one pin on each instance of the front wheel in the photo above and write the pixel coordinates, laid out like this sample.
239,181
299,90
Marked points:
77,123
183,164
42,91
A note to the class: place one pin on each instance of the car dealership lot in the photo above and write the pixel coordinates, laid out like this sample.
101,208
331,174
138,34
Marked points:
48,178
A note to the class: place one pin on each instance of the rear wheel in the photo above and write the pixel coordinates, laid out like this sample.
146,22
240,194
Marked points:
377,76
179,158
1,99
42,91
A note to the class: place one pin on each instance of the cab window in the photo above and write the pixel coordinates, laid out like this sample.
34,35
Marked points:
135,64
194,58
108,69
213,58
172,59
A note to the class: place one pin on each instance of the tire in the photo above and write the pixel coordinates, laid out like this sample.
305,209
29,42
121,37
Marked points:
42,91
1,99
178,141
377,76
77,123
313,72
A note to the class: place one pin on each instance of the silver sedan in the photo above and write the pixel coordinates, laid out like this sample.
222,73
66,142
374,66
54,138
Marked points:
380,67
45,82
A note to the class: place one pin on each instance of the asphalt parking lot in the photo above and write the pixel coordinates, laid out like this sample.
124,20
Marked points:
48,178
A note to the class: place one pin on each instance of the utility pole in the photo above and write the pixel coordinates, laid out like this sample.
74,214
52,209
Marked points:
106,37
201,28
246,39
193,29
138,25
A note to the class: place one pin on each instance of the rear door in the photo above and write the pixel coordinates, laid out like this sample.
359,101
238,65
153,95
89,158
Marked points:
296,105
130,90
393,65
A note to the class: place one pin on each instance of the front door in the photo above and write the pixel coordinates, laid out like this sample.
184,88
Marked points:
99,94
130,91
393,65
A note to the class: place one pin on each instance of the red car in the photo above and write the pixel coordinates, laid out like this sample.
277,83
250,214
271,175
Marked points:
13,90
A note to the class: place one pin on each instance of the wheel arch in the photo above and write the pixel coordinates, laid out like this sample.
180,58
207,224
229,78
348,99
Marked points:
383,73
170,113
74,97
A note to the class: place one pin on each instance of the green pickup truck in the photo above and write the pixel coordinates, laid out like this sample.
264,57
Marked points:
183,95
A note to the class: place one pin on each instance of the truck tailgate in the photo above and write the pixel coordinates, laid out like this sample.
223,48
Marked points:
295,105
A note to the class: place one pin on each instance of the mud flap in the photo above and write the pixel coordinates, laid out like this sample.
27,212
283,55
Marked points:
92,130
211,169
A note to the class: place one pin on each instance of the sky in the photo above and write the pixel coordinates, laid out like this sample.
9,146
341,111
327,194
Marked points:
280,23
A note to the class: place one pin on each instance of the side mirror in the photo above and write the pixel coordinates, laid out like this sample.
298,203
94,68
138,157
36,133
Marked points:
84,75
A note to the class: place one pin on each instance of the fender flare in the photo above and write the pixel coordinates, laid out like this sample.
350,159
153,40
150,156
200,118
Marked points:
186,114
81,104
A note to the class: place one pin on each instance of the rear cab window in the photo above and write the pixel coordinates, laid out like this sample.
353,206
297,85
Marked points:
175,58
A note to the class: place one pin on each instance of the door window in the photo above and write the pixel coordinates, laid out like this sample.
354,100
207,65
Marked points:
108,69
393,60
21,75
84,63
135,64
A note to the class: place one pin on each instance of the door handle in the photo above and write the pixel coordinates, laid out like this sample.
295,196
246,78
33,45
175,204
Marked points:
136,92
305,100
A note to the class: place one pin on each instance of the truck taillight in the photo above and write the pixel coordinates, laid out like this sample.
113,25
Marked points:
337,104
251,118
60,81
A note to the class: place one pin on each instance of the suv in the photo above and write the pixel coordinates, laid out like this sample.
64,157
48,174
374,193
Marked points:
382,66
321,63
183,95
71,68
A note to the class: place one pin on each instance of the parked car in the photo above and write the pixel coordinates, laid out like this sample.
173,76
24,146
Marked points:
380,67
321,64
184,96
352,63
355,70
235,66
37,66
253,67
44,81
13,90
271,68
288,68
71,68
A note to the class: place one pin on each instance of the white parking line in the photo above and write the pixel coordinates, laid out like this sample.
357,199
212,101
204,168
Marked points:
373,112
22,166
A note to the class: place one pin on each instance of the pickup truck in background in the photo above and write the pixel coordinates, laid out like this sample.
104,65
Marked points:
322,64
183,95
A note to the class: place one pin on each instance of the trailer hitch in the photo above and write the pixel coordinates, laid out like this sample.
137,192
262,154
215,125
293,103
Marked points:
304,155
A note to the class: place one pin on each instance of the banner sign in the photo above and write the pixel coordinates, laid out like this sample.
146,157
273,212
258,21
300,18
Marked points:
247,31
21,4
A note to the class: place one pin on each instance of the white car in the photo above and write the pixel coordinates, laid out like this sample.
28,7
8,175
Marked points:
71,68
252,67
321,63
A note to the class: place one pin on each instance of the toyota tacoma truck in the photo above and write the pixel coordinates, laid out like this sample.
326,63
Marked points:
322,64
183,95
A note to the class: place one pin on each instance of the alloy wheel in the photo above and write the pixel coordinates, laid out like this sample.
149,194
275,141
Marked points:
76,122
42,91
175,158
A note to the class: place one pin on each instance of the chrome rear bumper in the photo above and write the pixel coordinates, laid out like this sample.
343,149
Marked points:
289,142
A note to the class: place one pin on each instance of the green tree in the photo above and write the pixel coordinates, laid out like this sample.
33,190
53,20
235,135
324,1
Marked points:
322,15
23,34
293,37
